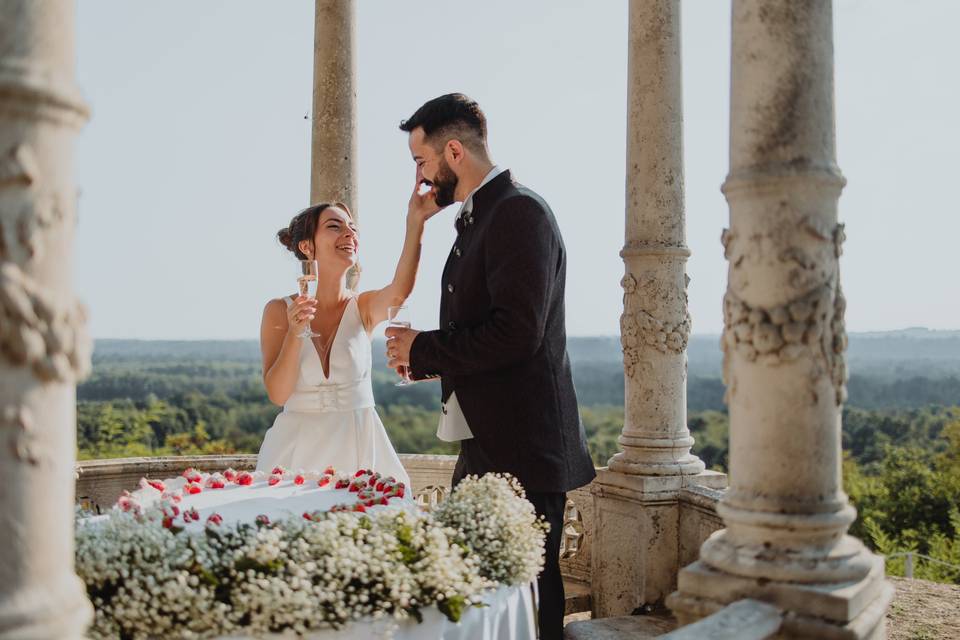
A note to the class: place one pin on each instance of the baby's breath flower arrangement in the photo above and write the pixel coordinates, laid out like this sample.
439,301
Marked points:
495,521
147,579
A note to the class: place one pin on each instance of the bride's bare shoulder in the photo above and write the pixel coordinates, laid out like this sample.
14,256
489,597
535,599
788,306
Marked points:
276,306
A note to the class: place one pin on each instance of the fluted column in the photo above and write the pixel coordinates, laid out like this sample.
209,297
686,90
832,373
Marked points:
786,514
333,176
43,344
636,554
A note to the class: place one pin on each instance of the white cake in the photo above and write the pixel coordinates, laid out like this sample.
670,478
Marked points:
196,499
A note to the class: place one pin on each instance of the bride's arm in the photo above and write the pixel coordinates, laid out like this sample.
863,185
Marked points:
280,346
373,304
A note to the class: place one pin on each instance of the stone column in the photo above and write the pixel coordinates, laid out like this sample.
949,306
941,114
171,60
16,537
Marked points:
635,558
786,514
43,344
333,175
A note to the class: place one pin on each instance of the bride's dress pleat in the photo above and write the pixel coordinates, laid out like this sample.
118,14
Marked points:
332,420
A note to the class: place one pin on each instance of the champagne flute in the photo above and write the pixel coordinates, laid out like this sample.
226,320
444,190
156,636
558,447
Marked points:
398,317
307,285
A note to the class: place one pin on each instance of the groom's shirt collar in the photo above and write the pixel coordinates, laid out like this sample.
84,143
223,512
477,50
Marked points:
467,206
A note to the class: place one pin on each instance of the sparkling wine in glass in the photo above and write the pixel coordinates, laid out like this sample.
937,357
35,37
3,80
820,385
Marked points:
307,285
398,317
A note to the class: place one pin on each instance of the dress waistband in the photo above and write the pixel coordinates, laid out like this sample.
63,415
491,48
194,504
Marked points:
330,398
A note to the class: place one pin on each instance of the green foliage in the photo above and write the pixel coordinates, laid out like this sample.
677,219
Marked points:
603,425
122,428
909,499
711,431
453,607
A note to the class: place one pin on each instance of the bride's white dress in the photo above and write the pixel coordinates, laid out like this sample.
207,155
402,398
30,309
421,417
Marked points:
332,420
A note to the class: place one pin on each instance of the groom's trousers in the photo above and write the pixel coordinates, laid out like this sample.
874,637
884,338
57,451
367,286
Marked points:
550,583
550,505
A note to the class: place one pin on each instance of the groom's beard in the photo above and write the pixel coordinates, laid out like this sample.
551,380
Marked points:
444,184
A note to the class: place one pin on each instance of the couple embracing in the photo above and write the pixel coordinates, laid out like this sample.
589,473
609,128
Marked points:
499,352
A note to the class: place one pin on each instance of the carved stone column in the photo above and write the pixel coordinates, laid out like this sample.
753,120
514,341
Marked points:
635,558
333,175
43,344
786,514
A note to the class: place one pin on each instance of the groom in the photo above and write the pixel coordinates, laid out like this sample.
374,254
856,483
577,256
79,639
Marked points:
501,350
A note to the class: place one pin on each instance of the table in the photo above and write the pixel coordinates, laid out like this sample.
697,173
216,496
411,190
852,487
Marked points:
509,615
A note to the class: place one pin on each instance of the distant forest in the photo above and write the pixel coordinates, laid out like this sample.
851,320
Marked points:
901,425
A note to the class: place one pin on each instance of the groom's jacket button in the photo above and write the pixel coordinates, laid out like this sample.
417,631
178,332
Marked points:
451,288
452,325
456,251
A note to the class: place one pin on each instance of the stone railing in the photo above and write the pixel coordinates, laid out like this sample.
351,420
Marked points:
698,520
100,482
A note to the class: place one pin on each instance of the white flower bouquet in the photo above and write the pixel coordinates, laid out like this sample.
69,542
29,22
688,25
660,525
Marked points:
495,521
326,569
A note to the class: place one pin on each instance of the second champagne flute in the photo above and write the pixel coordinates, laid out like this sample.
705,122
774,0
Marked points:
307,285
398,317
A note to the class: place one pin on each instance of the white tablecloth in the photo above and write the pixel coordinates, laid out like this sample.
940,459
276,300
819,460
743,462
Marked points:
508,616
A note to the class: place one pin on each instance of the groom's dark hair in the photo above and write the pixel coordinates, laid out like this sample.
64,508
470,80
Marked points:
448,117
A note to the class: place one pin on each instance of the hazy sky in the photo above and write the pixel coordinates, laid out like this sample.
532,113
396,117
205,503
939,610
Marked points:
198,150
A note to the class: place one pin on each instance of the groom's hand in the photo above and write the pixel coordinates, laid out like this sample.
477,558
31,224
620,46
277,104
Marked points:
399,341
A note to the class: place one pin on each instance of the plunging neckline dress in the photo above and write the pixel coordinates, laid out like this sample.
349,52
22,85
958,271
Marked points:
331,419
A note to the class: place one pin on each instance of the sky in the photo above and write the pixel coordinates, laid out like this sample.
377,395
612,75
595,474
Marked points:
198,151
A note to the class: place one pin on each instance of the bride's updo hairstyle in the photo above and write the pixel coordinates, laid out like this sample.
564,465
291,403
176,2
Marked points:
304,227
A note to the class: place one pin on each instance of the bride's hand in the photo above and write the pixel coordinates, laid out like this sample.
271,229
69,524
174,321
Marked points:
299,314
422,206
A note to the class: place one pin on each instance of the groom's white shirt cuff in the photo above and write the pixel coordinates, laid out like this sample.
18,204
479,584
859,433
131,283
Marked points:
453,424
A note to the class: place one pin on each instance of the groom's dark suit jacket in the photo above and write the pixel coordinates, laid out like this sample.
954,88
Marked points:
502,343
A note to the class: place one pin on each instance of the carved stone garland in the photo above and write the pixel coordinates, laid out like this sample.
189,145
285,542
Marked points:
810,324
640,325
37,330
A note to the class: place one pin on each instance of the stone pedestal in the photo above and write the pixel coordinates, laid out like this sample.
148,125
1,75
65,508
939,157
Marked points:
637,548
786,514
636,499
43,344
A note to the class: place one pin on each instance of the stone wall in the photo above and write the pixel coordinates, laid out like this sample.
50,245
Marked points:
100,482
698,520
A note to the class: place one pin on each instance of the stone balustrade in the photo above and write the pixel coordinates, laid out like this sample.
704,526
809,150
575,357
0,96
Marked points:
100,482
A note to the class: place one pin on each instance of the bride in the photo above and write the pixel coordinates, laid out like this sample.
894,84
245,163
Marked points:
323,383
